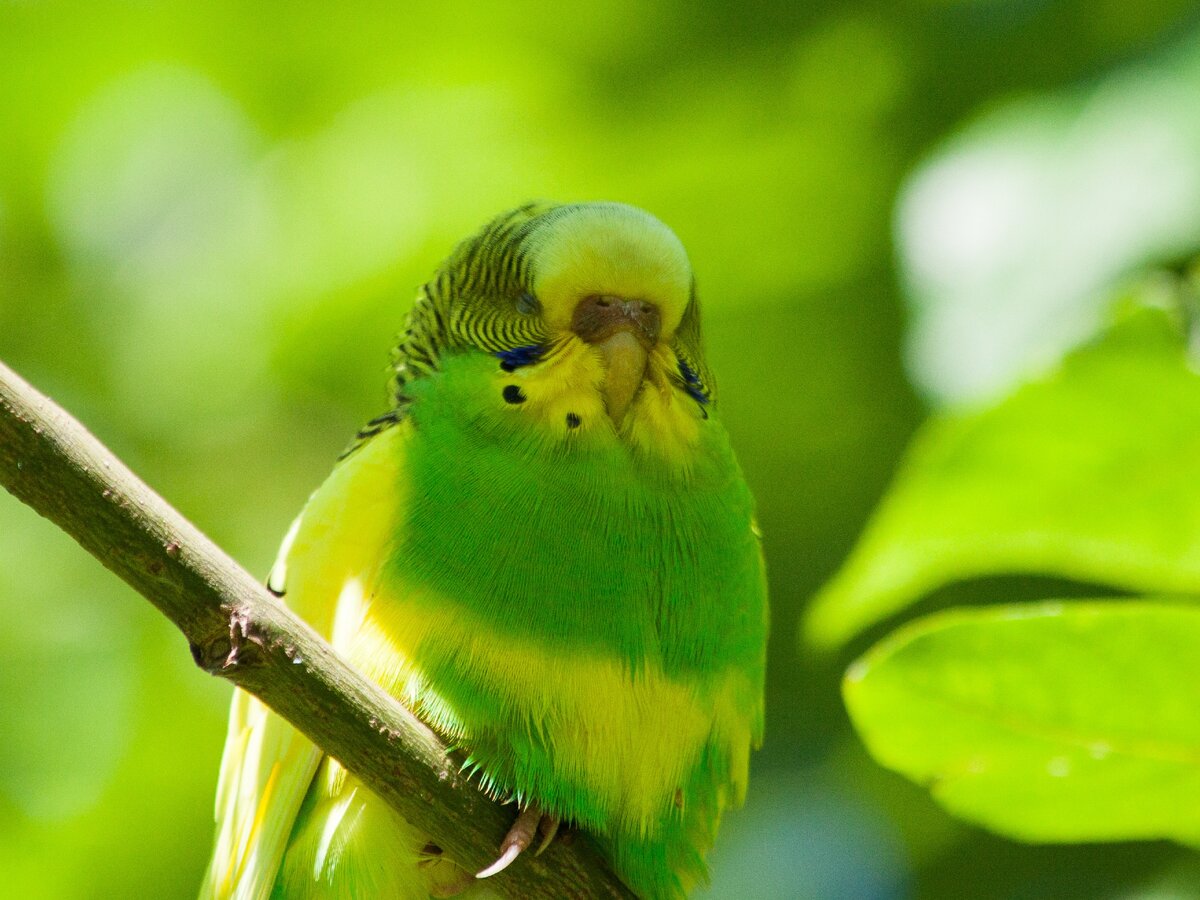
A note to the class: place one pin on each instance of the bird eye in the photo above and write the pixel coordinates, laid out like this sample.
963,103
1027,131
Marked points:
527,304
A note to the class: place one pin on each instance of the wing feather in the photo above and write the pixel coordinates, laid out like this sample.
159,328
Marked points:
329,559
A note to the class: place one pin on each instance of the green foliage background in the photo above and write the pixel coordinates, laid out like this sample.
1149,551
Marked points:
214,216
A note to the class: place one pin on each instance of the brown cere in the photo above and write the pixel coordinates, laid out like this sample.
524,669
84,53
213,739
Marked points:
601,315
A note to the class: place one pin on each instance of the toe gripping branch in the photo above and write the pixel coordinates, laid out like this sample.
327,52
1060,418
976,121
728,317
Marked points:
530,822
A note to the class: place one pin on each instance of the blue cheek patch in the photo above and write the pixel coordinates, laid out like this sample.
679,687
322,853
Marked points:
510,360
691,383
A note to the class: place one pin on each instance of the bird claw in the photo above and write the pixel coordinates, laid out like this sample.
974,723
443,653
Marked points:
549,828
530,821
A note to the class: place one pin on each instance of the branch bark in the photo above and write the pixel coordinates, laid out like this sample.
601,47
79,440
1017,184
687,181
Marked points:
237,630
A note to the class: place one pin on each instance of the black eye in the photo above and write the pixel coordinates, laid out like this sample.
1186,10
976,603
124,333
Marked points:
527,304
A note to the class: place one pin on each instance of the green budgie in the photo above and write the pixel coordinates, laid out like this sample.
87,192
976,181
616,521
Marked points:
547,550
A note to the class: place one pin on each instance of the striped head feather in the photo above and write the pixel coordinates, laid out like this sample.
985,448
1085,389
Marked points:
516,289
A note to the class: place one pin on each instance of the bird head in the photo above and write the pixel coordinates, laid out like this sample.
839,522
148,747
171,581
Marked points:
603,279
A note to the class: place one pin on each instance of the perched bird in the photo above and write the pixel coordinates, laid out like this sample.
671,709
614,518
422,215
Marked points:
547,550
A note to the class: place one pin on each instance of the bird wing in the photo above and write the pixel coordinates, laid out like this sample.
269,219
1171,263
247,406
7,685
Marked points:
327,566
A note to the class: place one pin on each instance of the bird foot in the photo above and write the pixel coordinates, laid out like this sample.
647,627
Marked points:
530,822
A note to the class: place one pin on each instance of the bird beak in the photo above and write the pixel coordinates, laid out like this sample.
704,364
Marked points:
624,331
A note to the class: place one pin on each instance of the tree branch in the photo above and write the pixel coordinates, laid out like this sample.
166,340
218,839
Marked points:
238,631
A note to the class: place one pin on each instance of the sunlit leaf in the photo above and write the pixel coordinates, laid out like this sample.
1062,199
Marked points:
1091,474
1013,234
1050,722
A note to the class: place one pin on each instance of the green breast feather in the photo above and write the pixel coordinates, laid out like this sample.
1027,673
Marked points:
625,601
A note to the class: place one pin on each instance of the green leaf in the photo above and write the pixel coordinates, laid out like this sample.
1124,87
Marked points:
1092,473
1048,722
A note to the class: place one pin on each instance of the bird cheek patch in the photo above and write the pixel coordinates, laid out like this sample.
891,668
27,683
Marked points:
560,395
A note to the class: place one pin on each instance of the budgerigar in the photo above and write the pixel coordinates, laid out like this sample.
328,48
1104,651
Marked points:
547,550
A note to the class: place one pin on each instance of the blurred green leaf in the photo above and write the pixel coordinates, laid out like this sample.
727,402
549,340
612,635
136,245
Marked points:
1092,473
1049,722
1014,234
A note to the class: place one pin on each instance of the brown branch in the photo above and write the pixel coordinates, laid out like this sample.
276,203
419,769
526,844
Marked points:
238,631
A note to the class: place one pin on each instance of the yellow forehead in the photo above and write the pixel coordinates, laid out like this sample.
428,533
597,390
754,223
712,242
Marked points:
609,248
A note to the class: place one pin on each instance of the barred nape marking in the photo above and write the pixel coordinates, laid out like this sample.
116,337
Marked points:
471,300
376,426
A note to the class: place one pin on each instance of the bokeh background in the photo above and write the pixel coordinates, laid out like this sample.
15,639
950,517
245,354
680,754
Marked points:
213,218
